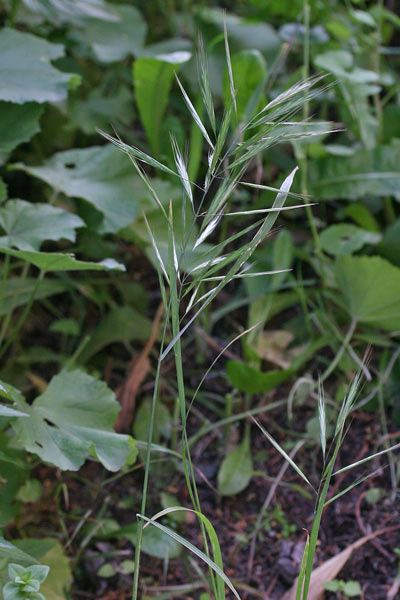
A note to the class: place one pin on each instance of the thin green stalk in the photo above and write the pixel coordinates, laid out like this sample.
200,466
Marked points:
188,467
139,536
23,317
317,518
303,158
386,433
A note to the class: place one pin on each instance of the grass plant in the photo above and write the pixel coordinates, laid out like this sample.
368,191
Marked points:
203,213
196,281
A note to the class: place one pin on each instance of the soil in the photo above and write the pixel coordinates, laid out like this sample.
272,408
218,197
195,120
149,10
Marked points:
281,539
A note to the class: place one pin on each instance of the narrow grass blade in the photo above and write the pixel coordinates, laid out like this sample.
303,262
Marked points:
281,451
178,538
303,569
205,84
243,257
230,73
182,170
208,263
194,114
156,251
209,229
322,417
353,485
296,89
142,445
192,299
221,139
147,183
139,154
262,211
347,404
367,459
269,188
243,275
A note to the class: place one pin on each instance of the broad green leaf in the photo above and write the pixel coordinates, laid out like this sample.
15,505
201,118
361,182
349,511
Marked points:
128,566
104,177
252,381
17,292
14,471
249,69
332,586
106,570
236,469
242,32
346,239
366,173
52,261
27,225
11,552
50,552
340,63
161,426
66,327
335,61
389,247
155,542
152,79
18,124
362,216
121,324
99,111
352,588
170,501
30,491
363,17
370,287
72,419
112,41
26,72
10,392
70,11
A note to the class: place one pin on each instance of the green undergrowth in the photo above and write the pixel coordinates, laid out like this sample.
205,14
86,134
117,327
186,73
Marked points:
234,173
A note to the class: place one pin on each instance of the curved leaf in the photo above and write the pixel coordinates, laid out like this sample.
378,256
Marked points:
236,469
26,72
365,173
102,176
27,225
72,419
371,290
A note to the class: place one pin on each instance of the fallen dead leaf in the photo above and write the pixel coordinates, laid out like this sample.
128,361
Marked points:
329,569
272,346
127,392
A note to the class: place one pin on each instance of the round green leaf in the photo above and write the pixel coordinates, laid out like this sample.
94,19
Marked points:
27,225
352,588
346,239
236,470
30,491
370,287
26,72
106,570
